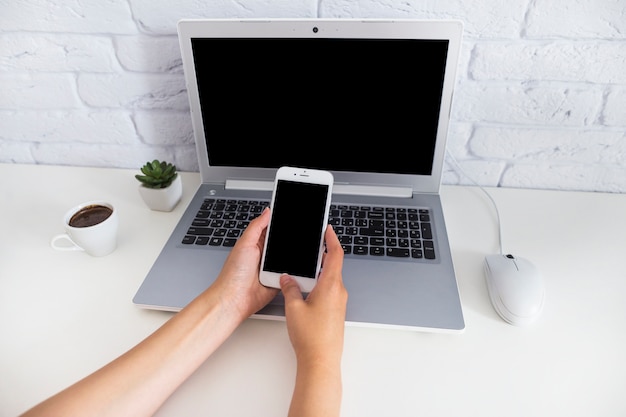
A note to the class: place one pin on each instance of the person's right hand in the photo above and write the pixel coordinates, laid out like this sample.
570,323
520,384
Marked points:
316,324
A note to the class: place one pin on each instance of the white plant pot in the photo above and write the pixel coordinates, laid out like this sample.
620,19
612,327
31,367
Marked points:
162,199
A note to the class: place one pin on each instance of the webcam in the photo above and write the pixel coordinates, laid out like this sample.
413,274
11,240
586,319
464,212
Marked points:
315,29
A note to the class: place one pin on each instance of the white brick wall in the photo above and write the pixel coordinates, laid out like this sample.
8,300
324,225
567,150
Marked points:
540,100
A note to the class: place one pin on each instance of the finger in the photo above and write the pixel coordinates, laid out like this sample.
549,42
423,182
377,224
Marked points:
333,257
290,288
331,239
256,228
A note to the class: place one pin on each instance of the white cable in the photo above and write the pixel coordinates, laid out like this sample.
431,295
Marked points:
495,206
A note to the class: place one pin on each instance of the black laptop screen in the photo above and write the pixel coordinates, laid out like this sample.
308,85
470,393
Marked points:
337,104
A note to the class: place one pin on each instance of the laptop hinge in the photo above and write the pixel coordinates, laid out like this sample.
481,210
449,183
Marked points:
345,189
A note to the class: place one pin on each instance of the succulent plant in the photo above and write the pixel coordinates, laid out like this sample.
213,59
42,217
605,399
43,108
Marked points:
157,174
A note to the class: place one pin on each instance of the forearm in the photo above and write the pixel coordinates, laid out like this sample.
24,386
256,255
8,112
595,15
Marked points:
138,382
318,389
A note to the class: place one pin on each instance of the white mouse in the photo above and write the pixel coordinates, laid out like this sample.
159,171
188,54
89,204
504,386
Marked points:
515,287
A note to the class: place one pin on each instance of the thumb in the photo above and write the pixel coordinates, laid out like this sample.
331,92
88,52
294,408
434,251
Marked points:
290,288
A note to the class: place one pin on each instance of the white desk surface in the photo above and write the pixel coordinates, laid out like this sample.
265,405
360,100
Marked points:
65,314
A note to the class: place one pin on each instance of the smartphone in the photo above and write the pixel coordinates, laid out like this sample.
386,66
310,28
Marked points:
294,242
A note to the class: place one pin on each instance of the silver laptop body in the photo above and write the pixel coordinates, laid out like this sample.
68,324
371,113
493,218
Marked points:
368,100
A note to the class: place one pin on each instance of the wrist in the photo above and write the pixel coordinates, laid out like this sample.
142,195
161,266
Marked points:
220,309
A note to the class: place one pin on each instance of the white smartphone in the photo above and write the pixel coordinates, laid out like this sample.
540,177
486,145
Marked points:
294,242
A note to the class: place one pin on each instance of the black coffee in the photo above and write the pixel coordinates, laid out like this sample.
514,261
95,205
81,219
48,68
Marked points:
90,216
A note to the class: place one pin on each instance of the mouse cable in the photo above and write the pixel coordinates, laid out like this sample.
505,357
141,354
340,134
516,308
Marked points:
495,206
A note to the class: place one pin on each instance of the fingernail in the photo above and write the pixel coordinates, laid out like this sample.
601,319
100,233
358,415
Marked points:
284,279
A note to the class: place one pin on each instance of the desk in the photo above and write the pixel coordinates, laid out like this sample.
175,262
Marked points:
65,314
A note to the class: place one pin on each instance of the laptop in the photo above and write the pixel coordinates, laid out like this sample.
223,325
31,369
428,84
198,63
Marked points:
368,100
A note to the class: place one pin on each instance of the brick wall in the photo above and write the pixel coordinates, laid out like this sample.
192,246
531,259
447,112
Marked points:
540,100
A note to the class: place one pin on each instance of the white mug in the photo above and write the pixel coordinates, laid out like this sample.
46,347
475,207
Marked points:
89,227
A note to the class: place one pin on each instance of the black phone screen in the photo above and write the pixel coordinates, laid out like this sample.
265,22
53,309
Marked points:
296,228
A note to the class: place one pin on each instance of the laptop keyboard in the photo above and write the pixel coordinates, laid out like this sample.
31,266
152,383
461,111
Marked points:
220,222
397,232
378,231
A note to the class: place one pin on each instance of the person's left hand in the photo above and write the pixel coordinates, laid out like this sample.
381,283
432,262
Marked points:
239,279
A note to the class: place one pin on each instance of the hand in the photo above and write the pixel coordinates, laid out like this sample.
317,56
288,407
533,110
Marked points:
239,279
316,325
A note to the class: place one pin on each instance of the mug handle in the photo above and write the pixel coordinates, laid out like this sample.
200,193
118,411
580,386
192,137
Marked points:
65,237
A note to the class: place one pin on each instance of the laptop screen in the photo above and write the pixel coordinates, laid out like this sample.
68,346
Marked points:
362,105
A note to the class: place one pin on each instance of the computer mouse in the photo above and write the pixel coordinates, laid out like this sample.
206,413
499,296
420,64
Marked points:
515,287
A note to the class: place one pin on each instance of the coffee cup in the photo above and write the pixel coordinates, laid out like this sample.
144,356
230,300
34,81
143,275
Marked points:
89,227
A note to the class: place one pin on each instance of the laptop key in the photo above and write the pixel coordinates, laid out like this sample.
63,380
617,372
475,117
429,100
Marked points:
242,224
188,240
426,231
429,249
200,231
345,240
370,231
360,250
233,233
377,251
398,252
229,242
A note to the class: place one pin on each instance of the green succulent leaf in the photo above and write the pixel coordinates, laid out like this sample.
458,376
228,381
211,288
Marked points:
157,174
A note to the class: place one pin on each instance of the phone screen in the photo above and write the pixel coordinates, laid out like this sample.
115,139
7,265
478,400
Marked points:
296,228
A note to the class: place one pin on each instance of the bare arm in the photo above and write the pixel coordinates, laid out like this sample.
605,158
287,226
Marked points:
138,382
316,330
